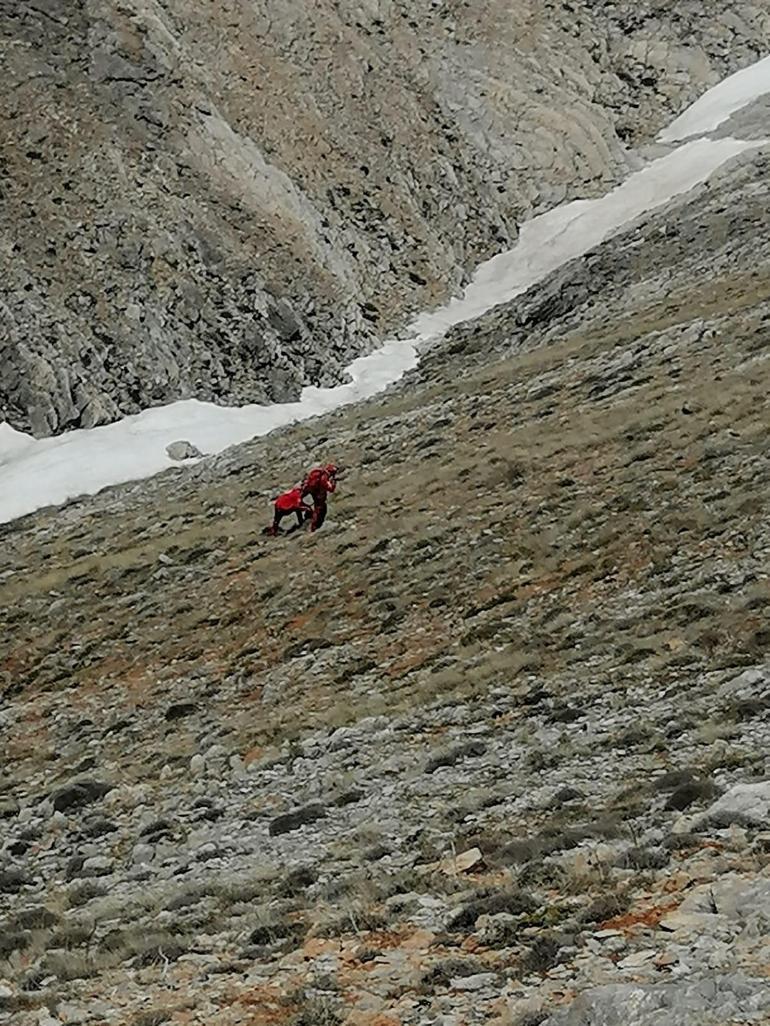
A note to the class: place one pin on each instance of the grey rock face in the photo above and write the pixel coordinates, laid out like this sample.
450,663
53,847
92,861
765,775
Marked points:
749,685
231,206
710,1002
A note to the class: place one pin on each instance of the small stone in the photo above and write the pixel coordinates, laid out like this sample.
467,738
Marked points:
78,794
98,865
290,821
143,853
183,450
665,959
559,972
476,982
9,807
12,880
464,863
567,794
682,922
637,959
72,1015
751,682
197,765
339,739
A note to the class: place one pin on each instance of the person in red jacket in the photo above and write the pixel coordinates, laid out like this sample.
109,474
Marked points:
319,483
286,504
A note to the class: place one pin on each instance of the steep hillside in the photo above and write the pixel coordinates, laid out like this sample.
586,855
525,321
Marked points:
492,747
229,200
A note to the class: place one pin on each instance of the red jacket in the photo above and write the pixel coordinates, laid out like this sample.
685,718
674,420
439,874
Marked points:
290,501
319,483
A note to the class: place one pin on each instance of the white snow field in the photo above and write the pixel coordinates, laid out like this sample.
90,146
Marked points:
716,106
41,472
548,241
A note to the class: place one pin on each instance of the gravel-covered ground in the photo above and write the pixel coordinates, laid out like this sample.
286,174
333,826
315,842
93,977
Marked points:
492,747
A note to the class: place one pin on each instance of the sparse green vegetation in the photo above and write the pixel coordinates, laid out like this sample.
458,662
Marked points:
309,735
442,972
542,954
153,1017
513,902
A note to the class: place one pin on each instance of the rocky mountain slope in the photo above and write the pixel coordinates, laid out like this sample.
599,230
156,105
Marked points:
492,747
229,200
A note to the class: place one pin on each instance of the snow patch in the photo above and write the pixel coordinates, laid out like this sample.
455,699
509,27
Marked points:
47,471
549,241
719,103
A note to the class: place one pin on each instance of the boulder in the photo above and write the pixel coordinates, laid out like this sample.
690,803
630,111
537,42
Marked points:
183,450
746,804
79,793
697,1002
290,821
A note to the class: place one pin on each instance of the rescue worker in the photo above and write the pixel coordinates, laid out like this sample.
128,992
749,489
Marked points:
320,482
286,504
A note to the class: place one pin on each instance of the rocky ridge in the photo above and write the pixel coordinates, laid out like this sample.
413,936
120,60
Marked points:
492,747
229,201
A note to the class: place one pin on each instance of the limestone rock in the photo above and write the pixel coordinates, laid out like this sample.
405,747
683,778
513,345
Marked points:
183,451
464,862
747,804
709,1002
